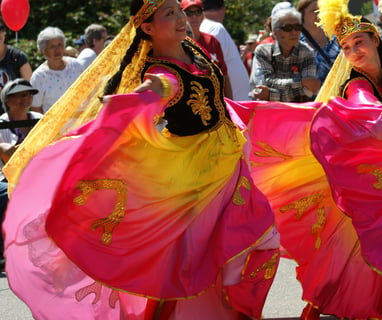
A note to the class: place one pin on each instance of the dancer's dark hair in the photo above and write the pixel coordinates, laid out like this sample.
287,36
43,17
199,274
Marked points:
113,83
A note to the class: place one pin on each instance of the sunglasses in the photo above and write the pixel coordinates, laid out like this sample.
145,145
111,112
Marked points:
190,13
2,28
291,27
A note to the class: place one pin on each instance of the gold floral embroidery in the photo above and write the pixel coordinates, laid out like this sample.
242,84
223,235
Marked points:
237,198
199,102
110,222
302,205
269,266
373,170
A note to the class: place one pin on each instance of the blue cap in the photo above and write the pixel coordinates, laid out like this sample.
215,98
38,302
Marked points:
80,41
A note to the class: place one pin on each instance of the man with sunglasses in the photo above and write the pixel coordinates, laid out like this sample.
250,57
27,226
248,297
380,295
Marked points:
288,66
194,12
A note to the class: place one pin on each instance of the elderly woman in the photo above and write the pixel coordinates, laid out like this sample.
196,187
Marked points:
57,73
17,98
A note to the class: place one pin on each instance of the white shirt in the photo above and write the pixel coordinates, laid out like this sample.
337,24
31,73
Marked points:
86,57
237,73
52,84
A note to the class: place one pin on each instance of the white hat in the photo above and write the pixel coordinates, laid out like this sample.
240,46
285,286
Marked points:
15,86
281,6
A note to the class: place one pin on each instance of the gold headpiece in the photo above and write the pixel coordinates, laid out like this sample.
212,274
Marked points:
148,8
335,19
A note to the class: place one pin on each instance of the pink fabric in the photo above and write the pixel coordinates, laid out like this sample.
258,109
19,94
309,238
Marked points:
360,91
346,139
173,247
314,232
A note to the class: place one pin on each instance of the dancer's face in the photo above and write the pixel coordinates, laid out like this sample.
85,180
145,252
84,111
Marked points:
168,24
360,49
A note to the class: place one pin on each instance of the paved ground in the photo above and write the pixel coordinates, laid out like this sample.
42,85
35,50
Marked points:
284,300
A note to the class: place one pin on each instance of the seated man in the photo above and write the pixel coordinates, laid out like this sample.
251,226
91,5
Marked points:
284,70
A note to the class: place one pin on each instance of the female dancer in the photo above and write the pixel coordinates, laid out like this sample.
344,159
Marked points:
331,230
149,211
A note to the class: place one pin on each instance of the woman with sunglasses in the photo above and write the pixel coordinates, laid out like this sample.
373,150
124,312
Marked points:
284,70
13,62
149,211
194,12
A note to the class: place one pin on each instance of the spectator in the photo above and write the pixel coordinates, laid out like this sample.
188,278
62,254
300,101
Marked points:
95,36
80,43
325,49
288,66
13,62
17,98
57,73
71,52
214,11
267,36
248,52
108,40
194,13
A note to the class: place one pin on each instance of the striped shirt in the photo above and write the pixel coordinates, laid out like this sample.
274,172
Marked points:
283,74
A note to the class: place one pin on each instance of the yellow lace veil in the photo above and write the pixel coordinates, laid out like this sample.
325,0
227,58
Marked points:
81,102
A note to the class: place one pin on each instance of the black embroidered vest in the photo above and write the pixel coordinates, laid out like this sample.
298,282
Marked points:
199,105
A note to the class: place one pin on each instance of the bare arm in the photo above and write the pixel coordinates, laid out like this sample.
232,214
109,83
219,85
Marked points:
26,71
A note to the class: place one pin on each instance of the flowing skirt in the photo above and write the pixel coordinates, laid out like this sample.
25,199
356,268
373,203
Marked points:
115,213
324,241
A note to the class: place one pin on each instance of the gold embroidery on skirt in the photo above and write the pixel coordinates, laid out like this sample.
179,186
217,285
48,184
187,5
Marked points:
237,198
373,170
110,222
302,205
269,266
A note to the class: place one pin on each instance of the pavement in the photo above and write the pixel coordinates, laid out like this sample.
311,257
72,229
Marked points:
283,302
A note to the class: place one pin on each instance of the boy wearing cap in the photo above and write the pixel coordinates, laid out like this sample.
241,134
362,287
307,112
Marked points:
17,99
194,12
214,11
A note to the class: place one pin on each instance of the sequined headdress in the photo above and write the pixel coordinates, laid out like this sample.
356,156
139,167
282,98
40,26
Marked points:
148,8
335,19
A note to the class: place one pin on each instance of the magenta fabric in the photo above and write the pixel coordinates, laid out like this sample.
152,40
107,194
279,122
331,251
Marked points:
346,139
72,251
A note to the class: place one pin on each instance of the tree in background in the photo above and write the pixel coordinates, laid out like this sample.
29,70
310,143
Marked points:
72,16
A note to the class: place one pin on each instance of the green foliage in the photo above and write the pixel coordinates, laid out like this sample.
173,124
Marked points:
246,16
73,16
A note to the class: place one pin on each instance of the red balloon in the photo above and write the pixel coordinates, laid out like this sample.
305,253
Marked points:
15,13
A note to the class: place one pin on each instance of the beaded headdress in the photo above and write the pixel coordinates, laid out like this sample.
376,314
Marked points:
335,19
148,8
